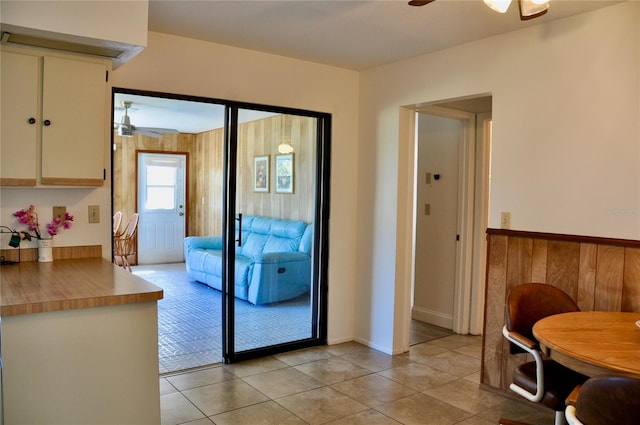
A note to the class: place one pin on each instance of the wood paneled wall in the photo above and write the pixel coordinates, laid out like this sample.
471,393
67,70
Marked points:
598,273
262,137
205,202
206,158
125,173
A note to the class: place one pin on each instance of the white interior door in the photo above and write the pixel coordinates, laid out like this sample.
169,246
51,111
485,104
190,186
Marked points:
161,205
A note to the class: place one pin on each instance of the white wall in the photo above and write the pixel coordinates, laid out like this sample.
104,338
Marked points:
76,200
179,65
565,143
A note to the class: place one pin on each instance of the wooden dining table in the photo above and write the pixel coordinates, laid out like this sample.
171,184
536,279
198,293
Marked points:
592,342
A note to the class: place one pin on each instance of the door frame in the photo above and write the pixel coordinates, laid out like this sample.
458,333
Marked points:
469,300
465,212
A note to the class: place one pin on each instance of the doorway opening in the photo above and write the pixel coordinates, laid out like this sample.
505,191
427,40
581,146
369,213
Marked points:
451,193
233,228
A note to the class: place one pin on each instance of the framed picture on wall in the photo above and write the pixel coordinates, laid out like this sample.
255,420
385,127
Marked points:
261,173
284,173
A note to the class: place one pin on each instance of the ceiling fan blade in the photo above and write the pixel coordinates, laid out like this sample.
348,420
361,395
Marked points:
125,128
155,132
158,130
419,2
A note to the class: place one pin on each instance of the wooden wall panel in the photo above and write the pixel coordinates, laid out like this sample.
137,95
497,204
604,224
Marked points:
497,251
631,286
599,273
587,276
562,266
208,182
609,274
539,260
519,261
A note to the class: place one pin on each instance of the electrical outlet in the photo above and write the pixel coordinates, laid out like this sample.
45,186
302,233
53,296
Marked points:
94,214
427,209
59,212
427,178
505,220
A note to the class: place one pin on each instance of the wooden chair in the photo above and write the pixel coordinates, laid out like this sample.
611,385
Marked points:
605,400
124,244
543,380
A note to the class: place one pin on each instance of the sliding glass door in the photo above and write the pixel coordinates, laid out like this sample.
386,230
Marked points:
276,225
255,213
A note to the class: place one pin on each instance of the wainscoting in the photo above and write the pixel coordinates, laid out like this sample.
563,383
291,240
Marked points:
598,273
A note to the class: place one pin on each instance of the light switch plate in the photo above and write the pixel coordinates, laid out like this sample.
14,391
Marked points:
59,212
505,220
94,214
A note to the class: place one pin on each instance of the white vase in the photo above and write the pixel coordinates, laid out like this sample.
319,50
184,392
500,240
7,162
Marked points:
45,250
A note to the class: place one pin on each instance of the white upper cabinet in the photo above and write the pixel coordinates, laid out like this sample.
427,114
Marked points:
19,118
73,114
68,99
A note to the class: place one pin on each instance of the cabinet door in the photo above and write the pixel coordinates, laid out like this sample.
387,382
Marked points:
74,117
19,119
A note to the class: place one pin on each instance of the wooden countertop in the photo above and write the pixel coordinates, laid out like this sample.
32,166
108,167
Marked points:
32,287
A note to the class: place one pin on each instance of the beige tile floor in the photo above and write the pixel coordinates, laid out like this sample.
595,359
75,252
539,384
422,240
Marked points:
436,382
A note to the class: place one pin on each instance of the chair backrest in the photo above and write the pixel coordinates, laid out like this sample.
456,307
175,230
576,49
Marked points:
130,230
261,235
609,400
117,219
530,302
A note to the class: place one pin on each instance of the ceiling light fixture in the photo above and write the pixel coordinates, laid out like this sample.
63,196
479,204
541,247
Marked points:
285,143
499,6
529,9
285,147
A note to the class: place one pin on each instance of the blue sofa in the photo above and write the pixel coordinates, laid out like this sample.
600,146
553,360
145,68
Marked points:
273,264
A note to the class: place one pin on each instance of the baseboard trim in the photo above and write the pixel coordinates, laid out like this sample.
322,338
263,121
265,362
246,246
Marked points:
432,317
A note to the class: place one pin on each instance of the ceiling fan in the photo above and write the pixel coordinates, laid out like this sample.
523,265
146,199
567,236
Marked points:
529,9
126,129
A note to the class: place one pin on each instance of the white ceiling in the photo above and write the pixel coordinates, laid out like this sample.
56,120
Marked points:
349,34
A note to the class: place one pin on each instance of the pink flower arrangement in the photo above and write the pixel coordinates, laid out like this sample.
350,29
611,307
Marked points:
29,217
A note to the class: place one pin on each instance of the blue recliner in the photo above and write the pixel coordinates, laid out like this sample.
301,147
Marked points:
273,264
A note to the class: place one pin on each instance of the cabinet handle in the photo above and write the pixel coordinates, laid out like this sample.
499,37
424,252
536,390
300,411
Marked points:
32,120
47,123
